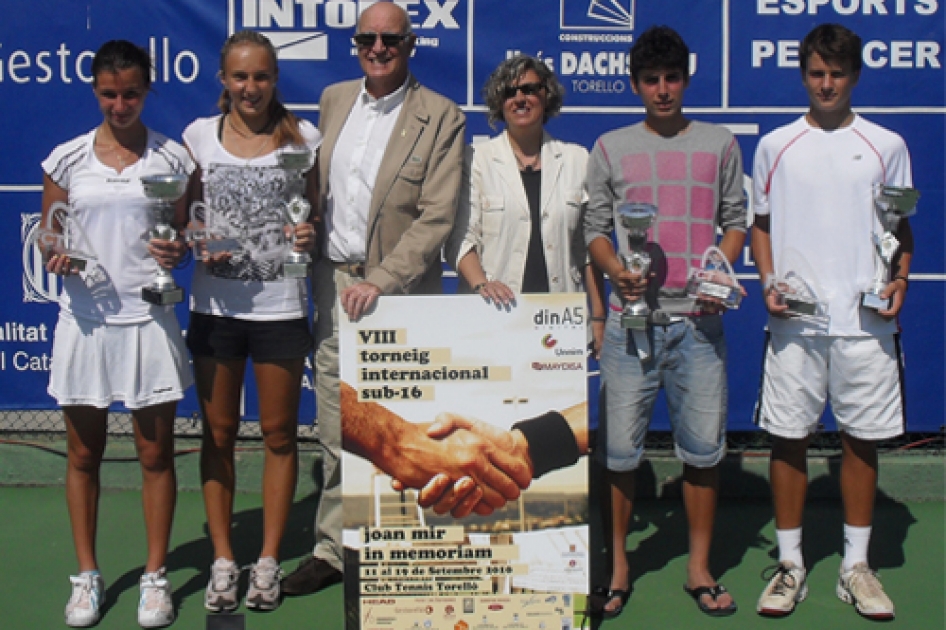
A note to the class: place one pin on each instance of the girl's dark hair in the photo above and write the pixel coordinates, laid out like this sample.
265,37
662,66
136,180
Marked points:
285,124
120,54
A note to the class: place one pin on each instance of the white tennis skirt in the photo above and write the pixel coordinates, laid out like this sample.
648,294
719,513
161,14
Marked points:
140,365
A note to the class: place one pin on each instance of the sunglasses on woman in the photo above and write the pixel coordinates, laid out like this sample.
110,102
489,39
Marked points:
388,40
527,89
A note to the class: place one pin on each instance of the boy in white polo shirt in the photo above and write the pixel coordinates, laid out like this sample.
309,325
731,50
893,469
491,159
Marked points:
813,201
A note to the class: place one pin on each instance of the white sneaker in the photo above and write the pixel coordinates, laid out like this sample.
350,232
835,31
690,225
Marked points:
155,609
222,589
263,592
787,586
88,595
860,587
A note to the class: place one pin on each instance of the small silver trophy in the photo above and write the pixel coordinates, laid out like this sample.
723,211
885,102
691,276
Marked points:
798,289
636,218
715,279
296,161
164,190
796,293
210,232
61,234
892,203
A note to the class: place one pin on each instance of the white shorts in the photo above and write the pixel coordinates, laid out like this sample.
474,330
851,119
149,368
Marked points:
140,365
862,378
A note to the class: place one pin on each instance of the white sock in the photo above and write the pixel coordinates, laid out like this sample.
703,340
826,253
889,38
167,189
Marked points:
789,546
856,541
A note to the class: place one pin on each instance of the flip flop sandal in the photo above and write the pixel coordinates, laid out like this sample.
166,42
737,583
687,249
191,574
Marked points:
714,592
623,595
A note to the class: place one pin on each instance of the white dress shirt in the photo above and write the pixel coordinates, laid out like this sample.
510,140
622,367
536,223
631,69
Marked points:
354,169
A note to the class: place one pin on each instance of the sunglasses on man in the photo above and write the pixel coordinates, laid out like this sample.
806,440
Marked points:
388,40
527,89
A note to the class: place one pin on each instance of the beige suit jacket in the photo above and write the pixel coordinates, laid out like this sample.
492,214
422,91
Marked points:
414,202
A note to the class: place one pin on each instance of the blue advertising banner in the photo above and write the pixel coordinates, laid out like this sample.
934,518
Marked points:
744,66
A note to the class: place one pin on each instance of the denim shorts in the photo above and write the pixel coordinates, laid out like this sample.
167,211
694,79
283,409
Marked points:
688,360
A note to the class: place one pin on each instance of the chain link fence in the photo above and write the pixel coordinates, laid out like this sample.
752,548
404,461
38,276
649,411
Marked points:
50,422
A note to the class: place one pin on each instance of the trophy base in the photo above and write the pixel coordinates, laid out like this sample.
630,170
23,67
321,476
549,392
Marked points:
162,297
874,301
222,246
295,269
799,307
730,296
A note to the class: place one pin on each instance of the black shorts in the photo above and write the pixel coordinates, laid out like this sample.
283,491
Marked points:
230,338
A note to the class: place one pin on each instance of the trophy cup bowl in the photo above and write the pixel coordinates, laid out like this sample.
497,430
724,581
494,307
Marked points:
167,188
295,159
636,218
164,190
898,201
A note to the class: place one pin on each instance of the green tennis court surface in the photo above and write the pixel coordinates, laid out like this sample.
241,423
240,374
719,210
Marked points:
36,554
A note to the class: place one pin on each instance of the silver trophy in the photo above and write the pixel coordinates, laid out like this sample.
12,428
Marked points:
296,161
636,218
210,232
892,203
714,279
798,289
164,190
62,235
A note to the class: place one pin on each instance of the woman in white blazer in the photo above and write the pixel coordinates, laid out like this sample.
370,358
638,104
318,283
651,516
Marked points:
519,228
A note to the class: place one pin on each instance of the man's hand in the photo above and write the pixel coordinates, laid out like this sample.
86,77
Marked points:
631,286
453,468
713,305
461,498
774,304
897,292
356,300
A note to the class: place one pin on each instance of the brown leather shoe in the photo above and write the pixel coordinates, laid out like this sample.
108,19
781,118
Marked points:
311,576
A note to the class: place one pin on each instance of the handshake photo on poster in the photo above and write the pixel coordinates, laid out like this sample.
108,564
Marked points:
460,464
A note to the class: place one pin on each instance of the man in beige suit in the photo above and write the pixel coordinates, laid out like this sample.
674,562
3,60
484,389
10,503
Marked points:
389,167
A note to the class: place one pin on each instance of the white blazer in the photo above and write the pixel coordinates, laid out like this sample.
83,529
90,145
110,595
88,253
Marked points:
494,217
